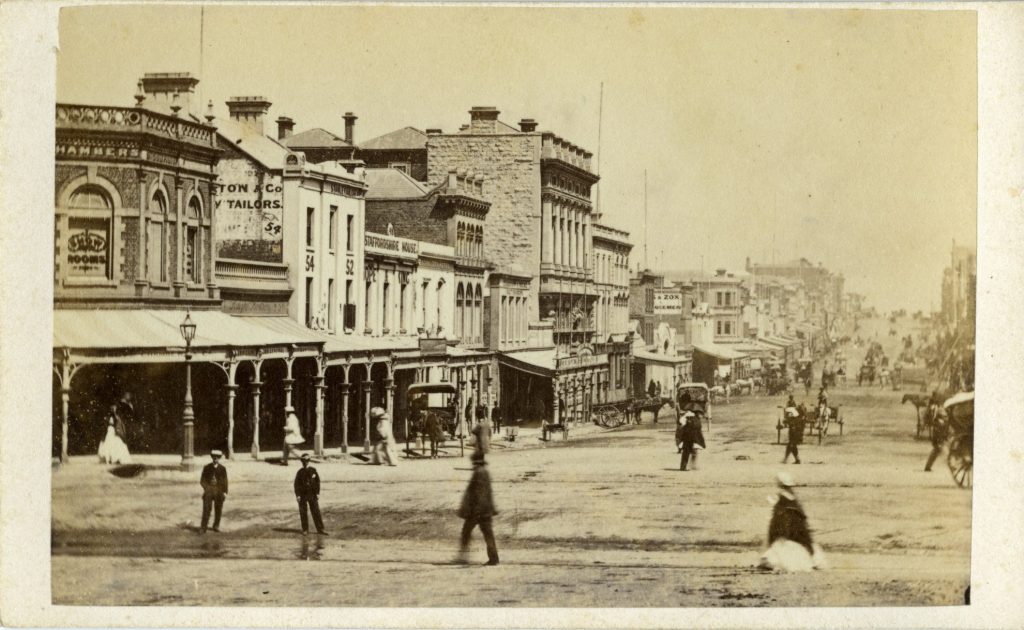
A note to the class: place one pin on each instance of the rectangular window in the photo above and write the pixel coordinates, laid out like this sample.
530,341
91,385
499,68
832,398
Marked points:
728,328
350,307
718,328
718,298
385,311
366,306
330,304
333,229
401,307
310,218
88,248
349,236
309,301
728,298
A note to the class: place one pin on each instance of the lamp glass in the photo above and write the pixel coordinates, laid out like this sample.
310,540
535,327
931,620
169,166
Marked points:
188,328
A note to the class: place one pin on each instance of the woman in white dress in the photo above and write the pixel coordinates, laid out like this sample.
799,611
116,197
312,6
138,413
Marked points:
790,547
113,450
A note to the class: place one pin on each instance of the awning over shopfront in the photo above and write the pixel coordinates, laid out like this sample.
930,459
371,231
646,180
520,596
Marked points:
536,362
644,356
755,349
718,350
158,330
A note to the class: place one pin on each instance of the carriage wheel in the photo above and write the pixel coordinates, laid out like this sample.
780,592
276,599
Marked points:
961,461
601,418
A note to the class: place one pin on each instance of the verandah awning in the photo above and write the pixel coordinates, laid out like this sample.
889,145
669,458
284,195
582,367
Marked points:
719,351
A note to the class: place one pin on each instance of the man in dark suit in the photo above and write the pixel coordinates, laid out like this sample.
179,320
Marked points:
214,481
478,509
307,492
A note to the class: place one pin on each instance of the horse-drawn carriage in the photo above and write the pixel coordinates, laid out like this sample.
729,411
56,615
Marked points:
695,398
867,373
775,381
960,414
804,373
618,413
423,416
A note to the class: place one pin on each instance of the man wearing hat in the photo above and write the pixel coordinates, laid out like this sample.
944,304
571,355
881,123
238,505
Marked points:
795,424
307,493
477,508
214,481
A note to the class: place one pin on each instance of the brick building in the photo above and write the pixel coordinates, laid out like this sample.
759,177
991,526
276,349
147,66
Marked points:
541,297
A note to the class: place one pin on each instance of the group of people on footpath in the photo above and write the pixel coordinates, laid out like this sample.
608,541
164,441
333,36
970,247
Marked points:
477,508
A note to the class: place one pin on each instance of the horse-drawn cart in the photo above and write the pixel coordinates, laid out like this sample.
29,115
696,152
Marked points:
960,414
696,398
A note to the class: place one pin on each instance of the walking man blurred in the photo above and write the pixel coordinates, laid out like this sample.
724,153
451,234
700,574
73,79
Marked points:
214,481
795,424
384,450
478,509
307,493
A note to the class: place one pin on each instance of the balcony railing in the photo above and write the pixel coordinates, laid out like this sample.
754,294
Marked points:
134,119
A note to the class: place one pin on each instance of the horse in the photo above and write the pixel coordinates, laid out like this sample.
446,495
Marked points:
919,401
744,385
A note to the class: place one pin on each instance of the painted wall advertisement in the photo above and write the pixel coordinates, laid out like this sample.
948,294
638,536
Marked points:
668,302
250,208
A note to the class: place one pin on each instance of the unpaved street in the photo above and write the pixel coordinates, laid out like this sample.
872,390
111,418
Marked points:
605,519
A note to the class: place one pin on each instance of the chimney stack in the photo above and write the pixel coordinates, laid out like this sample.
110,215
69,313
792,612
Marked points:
528,125
162,86
249,110
434,132
483,119
284,127
719,272
350,124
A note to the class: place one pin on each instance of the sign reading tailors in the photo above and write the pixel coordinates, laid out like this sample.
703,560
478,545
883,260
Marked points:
249,204
668,302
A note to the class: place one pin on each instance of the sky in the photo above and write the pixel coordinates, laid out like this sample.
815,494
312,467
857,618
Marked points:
845,136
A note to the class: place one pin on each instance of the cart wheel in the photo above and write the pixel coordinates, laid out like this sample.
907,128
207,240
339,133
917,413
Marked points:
961,461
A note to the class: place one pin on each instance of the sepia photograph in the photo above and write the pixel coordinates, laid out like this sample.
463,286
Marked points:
507,307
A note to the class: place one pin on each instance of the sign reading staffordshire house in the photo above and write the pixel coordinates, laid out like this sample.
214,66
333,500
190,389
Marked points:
391,245
668,302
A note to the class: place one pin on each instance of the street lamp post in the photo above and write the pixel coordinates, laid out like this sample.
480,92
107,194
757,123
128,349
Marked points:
188,333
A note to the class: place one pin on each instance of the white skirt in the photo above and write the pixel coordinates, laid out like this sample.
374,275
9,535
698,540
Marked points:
786,555
113,450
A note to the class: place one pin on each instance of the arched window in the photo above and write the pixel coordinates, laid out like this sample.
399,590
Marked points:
459,304
478,320
87,242
156,238
192,255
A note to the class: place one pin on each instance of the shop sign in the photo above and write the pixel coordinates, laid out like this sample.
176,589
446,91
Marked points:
87,247
430,347
249,202
580,361
381,244
668,302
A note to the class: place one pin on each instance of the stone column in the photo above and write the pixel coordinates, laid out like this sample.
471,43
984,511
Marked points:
345,388
367,387
65,399
318,436
546,232
232,390
256,384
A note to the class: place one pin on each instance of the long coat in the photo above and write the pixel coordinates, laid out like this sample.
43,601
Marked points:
478,502
789,522
307,482
214,480
796,429
692,432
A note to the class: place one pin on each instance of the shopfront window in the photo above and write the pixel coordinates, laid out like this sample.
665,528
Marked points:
87,241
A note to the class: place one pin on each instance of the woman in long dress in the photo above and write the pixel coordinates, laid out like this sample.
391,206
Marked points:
112,449
790,547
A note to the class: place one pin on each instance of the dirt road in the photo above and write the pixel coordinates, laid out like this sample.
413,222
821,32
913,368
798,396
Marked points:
603,520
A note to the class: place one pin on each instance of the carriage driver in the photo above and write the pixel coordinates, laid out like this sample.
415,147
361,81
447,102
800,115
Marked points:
823,396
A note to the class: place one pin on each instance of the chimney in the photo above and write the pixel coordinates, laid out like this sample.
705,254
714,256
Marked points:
719,272
463,127
434,132
350,124
284,127
162,86
483,119
249,110
748,263
528,125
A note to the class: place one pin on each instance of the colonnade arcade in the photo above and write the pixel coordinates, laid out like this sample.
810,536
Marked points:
241,395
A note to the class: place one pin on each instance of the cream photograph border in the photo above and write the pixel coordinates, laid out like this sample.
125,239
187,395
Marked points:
28,47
